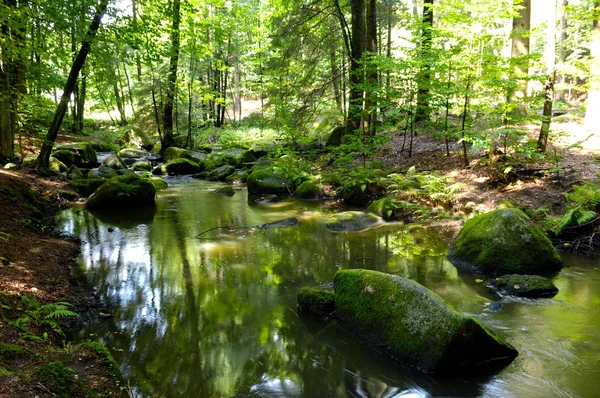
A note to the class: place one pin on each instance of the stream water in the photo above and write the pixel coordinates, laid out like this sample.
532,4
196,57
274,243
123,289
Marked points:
216,317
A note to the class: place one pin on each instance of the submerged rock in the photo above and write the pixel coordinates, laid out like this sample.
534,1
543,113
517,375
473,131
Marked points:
288,222
525,285
414,324
352,221
504,241
220,173
226,190
123,192
317,301
264,181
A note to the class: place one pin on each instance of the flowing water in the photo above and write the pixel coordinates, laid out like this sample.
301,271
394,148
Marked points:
216,316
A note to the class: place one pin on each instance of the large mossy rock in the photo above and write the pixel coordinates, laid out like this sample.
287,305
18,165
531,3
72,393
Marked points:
142,165
317,301
114,162
309,189
504,241
83,152
65,156
235,157
123,192
181,166
238,176
103,171
86,186
266,182
525,285
413,324
220,173
159,183
133,153
54,164
352,221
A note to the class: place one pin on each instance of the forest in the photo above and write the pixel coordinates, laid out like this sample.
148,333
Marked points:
370,131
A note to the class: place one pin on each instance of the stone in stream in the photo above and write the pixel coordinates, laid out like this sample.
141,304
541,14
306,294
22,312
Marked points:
103,171
413,324
309,189
122,192
84,154
220,173
226,190
317,301
288,222
133,153
525,286
141,165
64,155
504,241
352,221
264,181
179,166
114,162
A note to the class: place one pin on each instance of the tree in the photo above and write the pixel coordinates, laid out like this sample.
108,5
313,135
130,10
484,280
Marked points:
425,53
43,159
520,51
168,138
592,114
357,43
372,73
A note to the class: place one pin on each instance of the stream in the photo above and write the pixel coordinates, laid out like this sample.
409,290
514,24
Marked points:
216,317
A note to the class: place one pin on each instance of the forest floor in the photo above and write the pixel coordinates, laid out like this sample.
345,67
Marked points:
36,263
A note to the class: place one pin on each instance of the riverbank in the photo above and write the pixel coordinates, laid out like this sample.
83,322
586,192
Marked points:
36,358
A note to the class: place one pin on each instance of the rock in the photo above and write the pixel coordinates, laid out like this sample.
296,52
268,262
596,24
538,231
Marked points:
114,162
262,164
220,173
525,286
263,181
142,165
123,172
504,241
317,301
159,183
10,166
86,187
173,153
352,221
29,160
84,154
55,165
74,173
309,189
287,222
238,176
103,171
123,192
413,324
133,153
235,157
64,155
179,166
226,190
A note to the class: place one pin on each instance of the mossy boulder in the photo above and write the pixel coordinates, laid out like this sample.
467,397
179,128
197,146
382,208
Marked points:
159,183
238,176
309,189
74,173
525,285
133,153
10,166
103,171
352,221
235,157
64,155
86,186
83,152
262,164
220,173
55,165
181,166
173,153
142,165
504,241
123,192
226,190
317,301
266,182
114,162
413,324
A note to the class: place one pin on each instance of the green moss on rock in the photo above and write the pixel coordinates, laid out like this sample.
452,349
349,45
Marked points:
133,153
239,176
266,182
103,171
83,152
413,324
220,173
352,221
12,351
504,241
74,173
159,183
114,162
142,165
226,190
317,301
525,285
86,187
309,189
64,155
123,192
181,166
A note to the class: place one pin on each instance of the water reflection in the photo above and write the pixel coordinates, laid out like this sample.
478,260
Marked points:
217,317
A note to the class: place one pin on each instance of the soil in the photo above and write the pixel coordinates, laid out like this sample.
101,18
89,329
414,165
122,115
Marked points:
37,263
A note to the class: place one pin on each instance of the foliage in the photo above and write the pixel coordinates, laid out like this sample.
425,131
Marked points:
583,207
38,315
432,188
57,378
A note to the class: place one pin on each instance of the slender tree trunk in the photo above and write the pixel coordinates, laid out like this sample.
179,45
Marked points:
43,159
592,114
138,63
168,137
372,70
547,115
356,71
129,91
335,78
424,75
464,120
520,52
80,104
563,52
120,107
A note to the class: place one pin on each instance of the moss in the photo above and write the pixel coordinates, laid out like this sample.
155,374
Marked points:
114,162
83,152
525,285
309,189
504,241
220,173
179,166
317,301
106,357
351,221
135,153
412,323
123,192
74,173
12,351
86,187
56,378
263,181
142,165
226,190
239,175
103,171
173,153
236,157
65,156
5,372
159,183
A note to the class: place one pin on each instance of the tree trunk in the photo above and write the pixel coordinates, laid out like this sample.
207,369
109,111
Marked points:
43,159
563,52
520,51
592,114
356,71
120,105
335,78
138,63
547,115
80,103
372,70
168,137
424,75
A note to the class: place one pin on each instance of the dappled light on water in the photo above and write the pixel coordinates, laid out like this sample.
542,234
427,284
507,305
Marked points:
217,316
